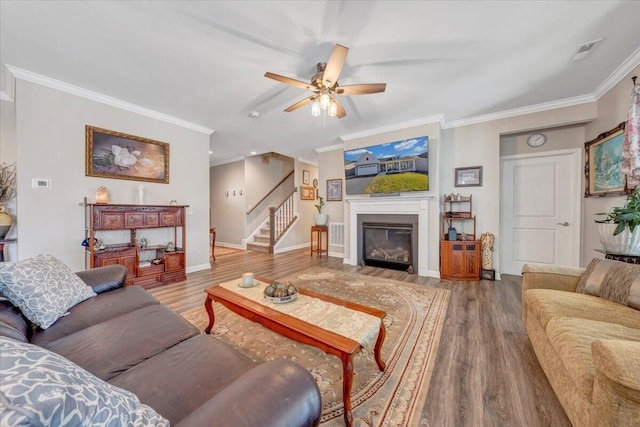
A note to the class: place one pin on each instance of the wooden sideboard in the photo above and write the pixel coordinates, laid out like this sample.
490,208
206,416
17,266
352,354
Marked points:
101,219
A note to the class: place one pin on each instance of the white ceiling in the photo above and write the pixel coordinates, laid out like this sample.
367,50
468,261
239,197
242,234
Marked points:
204,62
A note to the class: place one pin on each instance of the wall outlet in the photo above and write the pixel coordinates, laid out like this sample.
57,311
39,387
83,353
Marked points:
40,183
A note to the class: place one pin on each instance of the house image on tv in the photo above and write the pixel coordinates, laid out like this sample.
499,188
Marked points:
368,165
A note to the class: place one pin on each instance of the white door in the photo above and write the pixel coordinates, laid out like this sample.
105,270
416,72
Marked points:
541,197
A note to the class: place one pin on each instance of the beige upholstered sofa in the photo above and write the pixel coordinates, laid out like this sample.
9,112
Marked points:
588,346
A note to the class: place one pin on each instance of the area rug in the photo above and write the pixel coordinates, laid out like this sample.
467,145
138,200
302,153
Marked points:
395,397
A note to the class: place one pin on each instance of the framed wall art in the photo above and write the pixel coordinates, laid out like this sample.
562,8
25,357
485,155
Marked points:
469,177
602,165
306,180
118,155
307,193
334,190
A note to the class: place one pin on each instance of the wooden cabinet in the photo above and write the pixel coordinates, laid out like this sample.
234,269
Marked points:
102,219
459,258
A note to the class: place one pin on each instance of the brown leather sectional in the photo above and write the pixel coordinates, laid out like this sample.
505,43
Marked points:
127,338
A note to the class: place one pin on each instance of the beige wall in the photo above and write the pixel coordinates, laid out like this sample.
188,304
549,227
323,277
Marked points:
561,138
300,234
50,139
332,167
228,211
613,108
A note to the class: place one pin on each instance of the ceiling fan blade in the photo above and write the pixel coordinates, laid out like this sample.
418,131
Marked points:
361,89
288,81
301,103
334,65
341,112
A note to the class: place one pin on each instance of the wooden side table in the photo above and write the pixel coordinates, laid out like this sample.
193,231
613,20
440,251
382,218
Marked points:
319,230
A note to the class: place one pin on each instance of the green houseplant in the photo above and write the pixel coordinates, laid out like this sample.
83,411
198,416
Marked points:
618,227
320,218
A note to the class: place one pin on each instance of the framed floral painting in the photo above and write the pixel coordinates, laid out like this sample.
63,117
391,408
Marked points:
119,155
602,167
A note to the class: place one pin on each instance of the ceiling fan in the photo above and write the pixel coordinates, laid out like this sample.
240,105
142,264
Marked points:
325,87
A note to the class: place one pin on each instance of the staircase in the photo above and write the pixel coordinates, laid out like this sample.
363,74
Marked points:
278,222
260,241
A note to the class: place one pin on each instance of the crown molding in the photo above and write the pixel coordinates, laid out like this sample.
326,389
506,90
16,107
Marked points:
330,148
39,79
625,68
537,108
438,118
307,161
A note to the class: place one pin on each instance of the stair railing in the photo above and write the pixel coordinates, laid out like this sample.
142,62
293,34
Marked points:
281,218
266,196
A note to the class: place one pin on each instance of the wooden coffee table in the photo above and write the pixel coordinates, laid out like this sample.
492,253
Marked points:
301,331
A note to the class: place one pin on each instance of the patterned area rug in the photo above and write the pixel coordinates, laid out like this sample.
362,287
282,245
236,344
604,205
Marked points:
395,397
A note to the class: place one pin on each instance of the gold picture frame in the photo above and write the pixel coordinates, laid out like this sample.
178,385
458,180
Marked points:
603,160
307,193
111,154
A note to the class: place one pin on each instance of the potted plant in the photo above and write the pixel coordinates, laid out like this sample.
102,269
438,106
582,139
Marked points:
7,192
320,218
618,233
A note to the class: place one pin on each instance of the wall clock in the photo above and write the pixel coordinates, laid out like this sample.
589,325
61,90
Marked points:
536,140
315,183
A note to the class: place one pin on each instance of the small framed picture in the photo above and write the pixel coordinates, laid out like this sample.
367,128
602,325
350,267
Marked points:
307,193
469,177
305,177
334,190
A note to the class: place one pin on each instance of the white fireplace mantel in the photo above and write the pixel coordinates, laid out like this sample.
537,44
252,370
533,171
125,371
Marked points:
399,205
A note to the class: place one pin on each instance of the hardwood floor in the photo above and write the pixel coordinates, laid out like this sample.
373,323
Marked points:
486,373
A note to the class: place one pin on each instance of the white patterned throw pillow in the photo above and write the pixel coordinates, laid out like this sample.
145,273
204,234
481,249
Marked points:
39,387
43,288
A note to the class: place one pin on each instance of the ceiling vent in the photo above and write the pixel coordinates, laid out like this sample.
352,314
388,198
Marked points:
584,50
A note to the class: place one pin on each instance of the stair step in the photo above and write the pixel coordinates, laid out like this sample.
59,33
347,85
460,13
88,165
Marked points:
258,246
262,238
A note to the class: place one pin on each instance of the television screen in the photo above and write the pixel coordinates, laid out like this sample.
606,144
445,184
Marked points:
388,168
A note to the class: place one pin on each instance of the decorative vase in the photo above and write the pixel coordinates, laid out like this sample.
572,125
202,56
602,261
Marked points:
321,219
486,242
5,221
625,243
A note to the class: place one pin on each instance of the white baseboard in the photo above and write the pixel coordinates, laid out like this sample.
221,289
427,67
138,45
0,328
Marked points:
337,254
290,248
433,273
230,245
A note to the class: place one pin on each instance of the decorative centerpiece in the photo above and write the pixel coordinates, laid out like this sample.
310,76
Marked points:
280,292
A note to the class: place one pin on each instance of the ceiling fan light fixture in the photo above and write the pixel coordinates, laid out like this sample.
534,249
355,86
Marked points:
315,109
324,101
333,108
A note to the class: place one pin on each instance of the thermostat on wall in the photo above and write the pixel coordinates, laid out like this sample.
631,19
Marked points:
40,183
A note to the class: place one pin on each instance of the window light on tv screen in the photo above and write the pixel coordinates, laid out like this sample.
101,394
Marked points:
393,167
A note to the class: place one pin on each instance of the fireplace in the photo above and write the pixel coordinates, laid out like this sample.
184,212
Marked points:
394,209
389,241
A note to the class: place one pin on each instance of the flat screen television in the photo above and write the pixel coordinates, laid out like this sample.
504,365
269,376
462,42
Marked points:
394,167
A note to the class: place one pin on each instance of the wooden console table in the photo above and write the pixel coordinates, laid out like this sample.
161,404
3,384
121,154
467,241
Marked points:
301,331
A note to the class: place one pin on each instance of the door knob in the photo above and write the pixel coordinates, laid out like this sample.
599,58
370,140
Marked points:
565,224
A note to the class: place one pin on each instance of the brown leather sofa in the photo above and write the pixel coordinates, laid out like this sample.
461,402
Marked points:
126,337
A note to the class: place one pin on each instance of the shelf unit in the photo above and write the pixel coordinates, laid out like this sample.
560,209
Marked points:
104,218
460,258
